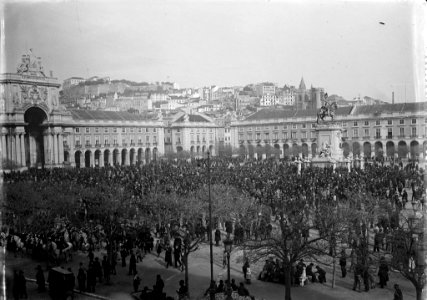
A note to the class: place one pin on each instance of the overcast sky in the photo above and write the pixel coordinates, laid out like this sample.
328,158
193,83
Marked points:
338,45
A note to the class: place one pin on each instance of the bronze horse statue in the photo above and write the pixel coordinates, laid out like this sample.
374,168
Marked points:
327,110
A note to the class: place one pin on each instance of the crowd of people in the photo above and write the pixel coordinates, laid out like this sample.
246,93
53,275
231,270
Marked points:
258,179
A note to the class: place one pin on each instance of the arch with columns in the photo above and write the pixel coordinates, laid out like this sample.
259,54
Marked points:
211,150
242,151
148,154
268,151
296,149
140,152
346,149
251,151
367,149
88,158
97,162
286,150
424,148
66,157
77,158
107,157
378,146
203,149
356,148
390,149
304,150
277,151
155,153
402,149
414,147
259,151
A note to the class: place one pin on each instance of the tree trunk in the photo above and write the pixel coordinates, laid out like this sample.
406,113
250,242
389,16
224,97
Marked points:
288,282
185,257
419,291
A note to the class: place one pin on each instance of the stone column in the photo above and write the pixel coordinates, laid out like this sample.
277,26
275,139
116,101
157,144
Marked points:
55,148
82,160
101,159
23,152
48,147
61,149
12,148
110,158
71,159
91,159
3,144
18,148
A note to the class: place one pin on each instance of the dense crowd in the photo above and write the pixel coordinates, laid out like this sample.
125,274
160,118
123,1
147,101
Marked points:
258,179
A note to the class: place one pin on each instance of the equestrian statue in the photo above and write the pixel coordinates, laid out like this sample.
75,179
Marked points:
327,109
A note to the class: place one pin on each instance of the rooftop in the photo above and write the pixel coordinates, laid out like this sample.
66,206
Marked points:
193,118
80,114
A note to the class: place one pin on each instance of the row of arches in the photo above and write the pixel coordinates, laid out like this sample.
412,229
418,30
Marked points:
389,149
99,158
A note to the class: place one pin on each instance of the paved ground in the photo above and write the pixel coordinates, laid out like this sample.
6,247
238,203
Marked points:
199,279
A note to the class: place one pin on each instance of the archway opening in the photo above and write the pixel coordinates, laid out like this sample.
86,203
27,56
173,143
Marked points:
34,117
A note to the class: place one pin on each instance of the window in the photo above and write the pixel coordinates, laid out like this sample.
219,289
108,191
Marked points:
140,140
378,133
154,129
304,126
355,132
414,121
115,130
402,132
140,130
294,126
366,123
77,140
344,124
123,129
258,128
285,126
87,130
106,140
285,135
179,140
96,129
203,138
106,130
249,128
293,135
97,140
211,137
131,130
377,122
389,133
389,122
240,129
414,131
148,129
250,136
344,133
304,135
276,136
177,130
147,138
240,137
123,141
211,130
258,136
78,129
87,140
313,125
276,127
355,124
115,140
267,128
401,121
366,132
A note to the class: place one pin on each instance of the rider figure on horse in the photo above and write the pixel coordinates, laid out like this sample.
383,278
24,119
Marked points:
327,109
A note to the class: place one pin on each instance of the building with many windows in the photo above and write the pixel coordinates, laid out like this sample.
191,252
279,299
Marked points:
392,130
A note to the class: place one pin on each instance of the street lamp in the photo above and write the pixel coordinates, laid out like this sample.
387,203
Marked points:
228,245
210,215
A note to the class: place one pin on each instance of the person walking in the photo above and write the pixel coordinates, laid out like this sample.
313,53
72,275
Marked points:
123,255
322,274
132,264
245,268
107,270
357,278
41,283
114,263
136,282
383,272
343,263
398,295
168,256
22,284
81,278
158,248
217,237
160,284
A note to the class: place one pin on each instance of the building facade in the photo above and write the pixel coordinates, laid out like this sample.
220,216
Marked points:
391,130
36,131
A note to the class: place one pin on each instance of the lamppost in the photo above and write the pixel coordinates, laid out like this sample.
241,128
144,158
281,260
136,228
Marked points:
228,244
210,216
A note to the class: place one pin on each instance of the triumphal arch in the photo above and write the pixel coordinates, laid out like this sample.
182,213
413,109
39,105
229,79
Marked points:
33,123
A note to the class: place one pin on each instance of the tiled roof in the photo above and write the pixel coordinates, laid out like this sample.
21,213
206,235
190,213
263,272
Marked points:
81,114
193,118
390,108
269,113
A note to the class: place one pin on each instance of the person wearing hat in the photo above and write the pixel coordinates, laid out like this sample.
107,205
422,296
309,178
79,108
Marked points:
41,283
397,292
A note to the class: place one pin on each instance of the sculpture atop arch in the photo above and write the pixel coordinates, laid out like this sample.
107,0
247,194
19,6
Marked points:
31,65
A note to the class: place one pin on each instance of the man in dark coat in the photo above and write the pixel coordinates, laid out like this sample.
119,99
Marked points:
41,283
168,257
383,273
81,278
132,264
217,237
343,263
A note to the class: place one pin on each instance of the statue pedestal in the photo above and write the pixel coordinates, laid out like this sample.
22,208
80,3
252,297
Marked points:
329,139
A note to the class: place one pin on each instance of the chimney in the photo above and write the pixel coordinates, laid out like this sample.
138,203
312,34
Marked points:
392,97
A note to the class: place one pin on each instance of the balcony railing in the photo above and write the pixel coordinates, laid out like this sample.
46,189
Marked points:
355,138
97,145
414,135
142,144
107,145
378,137
401,136
132,144
366,137
77,146
389,137
124,144
88,145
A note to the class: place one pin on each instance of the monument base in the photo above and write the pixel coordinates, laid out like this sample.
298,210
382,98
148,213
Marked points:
323,162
